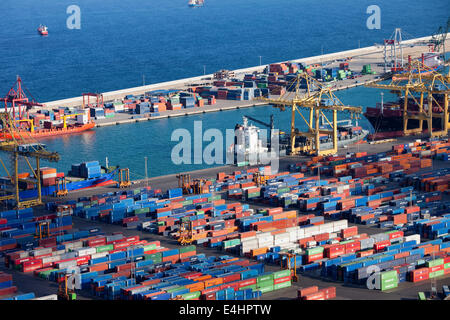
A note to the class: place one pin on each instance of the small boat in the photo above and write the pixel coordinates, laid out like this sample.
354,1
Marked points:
196,3
43,30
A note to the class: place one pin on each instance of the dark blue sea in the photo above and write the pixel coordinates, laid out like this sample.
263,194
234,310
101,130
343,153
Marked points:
121,43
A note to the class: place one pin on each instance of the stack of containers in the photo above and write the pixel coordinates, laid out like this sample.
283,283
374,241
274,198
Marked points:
91,169
187,101
48,176
142,108
98,113
6,285
313,293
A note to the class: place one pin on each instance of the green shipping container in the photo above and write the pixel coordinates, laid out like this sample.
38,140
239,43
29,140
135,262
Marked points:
191,295
107,247
447,265
437,274
266,289
389,275
187,249
178,288
434,263
184,203
263,278
282,285
149,247
389,284
253,287
313,251
265,283
142,210
281,274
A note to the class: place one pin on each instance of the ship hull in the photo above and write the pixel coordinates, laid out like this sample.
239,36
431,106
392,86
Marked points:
104,180
48,132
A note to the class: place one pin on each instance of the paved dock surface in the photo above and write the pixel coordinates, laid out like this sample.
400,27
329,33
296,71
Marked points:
405,291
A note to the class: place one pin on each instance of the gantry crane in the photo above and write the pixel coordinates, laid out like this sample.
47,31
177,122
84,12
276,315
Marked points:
190,186
289,266
186,233
16,98
124,178
26,147
429,84
438,39
316,101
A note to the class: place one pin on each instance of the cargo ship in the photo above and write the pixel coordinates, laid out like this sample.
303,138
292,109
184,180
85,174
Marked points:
43,30
387,117
196,3
250,144
41,123
347,132
82,176
42,132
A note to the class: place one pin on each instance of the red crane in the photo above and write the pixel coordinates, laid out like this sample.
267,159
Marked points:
16,98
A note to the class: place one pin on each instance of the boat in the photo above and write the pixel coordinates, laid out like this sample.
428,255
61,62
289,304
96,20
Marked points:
73,183
347,132
44,133
43,30
42,123
196,3
250,145
387,117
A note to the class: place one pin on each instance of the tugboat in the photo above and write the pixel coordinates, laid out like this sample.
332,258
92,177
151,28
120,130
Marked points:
43,30
196,3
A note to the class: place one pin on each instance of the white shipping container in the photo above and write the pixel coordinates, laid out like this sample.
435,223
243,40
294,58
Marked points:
281,241
415,237
40,252
281,236
85,251
67,264
264,244
51,259
99,255
58,252
49,297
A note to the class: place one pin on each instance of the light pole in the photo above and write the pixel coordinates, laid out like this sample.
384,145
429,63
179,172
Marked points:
146,172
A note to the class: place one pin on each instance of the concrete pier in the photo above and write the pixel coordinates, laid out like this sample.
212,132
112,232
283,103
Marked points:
369,55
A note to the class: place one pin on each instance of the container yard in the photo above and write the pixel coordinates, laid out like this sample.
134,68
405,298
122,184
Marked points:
241,237
345,198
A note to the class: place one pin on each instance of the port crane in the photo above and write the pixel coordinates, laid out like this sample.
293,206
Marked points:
428,84
17,98
186,233
26,147
316,100
438,38
289,266
190,186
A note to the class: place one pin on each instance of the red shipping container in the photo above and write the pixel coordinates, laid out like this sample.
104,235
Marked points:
315,296
8,291
232,277
436,268
282,280
247,282
305,291
380,245
315,257
396,235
